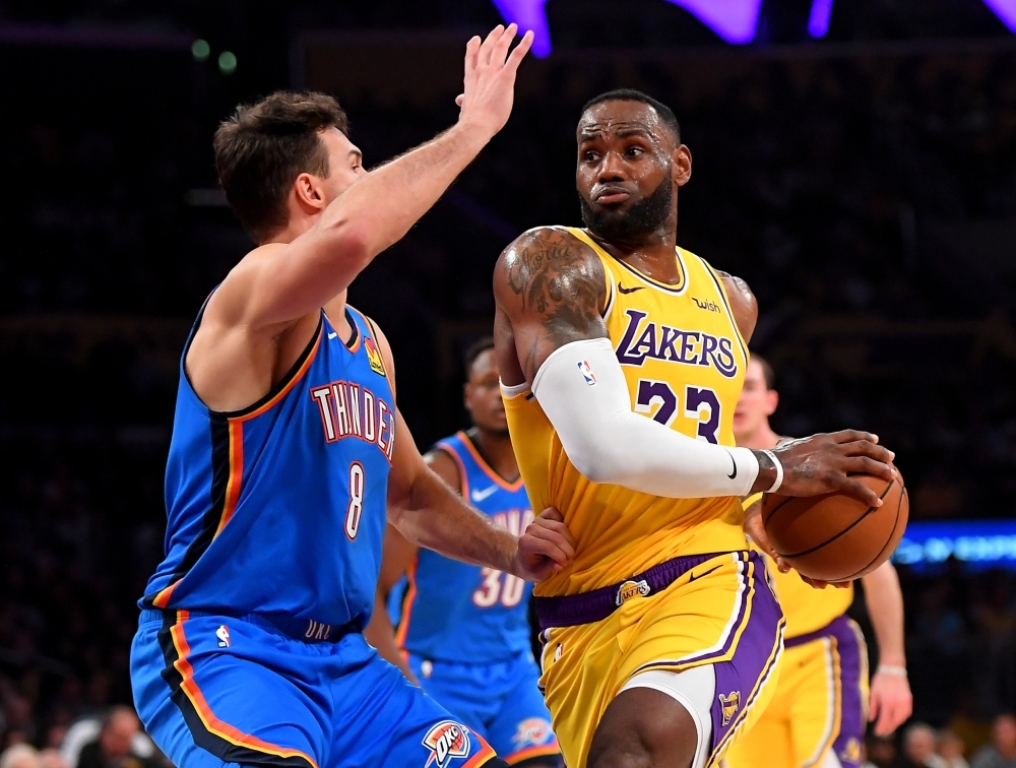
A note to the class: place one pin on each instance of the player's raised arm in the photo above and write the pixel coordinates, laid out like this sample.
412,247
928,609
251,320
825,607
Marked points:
380,208
550,290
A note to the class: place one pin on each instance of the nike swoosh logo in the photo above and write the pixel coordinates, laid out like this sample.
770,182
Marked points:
479,496
332,335
693,577
733,474
622,289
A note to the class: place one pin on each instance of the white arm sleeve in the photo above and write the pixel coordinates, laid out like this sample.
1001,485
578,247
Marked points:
583,392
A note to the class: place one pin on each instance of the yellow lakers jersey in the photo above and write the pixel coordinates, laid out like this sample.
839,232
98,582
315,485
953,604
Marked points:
684,360
805,608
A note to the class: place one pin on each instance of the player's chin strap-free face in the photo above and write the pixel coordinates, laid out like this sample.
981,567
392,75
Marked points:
583,392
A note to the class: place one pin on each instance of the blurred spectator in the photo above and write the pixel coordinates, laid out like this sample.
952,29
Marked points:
20,756
114,747
951,748
1001,753
881,751
51,758
919,744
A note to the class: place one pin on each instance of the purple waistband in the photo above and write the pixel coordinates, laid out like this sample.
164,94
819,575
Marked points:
598,604
835,628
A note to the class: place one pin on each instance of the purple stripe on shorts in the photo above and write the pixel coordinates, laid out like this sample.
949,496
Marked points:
739,679
853,665
598,604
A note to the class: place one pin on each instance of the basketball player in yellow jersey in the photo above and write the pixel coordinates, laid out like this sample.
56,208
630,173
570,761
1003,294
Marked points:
621,359
817,713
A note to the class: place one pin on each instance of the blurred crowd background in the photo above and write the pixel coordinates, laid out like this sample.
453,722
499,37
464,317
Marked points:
864,185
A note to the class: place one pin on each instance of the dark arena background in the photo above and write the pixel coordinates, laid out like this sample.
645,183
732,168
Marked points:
855,162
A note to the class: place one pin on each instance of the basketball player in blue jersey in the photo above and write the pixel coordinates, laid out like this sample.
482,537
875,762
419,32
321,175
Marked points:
464,630
288,446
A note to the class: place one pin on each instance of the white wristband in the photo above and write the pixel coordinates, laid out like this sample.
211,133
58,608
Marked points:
886,669
779,471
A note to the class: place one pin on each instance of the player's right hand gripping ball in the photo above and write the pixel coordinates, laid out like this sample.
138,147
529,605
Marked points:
835,537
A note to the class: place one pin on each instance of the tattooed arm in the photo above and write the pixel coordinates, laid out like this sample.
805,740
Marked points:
548,332
550,289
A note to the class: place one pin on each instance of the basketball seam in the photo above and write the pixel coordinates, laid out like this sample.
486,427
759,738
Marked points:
899,506
867,512
777,508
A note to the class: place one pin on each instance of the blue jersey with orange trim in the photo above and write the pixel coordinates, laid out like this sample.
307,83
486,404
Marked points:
460,612
279,509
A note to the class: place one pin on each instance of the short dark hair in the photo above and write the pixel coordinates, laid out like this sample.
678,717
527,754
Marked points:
767,370
630,94
474,350
263,147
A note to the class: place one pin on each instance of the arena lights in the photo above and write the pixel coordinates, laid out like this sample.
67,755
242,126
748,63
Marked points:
975,543
735,21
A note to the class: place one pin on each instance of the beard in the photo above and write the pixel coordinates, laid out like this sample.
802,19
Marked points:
645,216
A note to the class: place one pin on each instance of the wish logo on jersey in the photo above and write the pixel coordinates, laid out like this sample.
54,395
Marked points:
532,732
446,741
662,342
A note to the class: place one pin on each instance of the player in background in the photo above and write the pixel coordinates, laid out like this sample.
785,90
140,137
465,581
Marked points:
818,713
288,446
464,631
621,358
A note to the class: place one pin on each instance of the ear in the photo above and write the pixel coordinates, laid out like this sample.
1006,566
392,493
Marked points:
681,165
310,193
772,400
467,395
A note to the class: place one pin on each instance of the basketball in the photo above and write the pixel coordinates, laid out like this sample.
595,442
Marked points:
835,537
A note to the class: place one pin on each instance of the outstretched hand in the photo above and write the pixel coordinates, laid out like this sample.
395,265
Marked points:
489,85
828,463
545,547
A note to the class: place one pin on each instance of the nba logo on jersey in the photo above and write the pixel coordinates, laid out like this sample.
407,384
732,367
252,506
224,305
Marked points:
374,356
223,634
587,372
446,740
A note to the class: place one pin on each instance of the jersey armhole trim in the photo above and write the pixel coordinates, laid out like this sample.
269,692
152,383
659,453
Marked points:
726,303
276,393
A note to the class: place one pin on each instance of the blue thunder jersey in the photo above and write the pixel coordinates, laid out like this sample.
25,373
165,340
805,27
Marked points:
279,509
460,612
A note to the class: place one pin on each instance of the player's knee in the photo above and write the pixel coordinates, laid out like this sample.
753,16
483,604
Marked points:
644,728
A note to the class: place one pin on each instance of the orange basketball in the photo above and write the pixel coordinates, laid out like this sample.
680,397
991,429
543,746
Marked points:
835,537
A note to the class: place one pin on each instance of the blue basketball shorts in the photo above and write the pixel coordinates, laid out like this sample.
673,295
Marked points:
501,701
214,691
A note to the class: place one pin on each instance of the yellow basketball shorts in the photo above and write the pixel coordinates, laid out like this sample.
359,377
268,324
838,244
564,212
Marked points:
717,610
818,712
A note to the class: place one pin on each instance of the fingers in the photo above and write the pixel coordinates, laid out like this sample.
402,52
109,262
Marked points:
874,706
487,49
869,449
853,436
551,513
500,50
550,548
862,465
520,52
472,52
556,533
858,490
813,582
